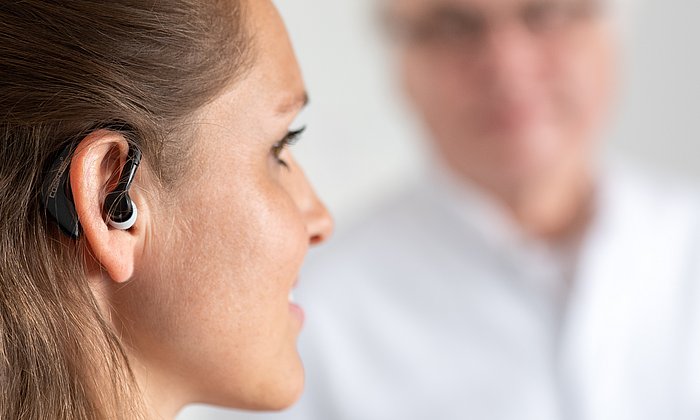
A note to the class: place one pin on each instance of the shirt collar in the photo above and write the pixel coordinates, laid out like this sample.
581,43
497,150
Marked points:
486,220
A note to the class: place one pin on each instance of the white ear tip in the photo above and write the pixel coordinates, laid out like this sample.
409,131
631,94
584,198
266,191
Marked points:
127,224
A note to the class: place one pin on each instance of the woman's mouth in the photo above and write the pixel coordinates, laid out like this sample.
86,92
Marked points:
296,310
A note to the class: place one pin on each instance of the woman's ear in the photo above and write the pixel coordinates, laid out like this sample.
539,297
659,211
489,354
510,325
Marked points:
95,169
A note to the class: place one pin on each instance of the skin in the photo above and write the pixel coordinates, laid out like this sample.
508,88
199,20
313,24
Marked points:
199,287
514,102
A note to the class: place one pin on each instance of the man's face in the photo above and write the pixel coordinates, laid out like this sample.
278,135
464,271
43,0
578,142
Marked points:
510,89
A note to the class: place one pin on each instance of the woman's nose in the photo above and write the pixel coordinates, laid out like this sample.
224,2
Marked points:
319,222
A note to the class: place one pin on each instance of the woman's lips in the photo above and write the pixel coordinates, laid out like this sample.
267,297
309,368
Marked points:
297,312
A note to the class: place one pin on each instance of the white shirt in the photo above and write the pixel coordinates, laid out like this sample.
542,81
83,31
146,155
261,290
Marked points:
438,307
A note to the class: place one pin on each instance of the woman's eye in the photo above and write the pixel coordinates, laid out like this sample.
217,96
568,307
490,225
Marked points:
290,139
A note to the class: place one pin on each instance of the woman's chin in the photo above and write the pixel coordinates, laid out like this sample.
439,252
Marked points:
286,390
280,390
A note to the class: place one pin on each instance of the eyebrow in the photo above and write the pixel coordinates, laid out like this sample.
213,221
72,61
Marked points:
452,13
435,14
298,102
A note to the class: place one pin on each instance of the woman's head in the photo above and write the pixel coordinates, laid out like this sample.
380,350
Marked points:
195,295
214,301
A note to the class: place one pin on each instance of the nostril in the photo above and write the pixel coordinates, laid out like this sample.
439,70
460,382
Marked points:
316,239
322,229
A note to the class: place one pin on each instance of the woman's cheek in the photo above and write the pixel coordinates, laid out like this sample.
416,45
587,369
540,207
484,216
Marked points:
284,231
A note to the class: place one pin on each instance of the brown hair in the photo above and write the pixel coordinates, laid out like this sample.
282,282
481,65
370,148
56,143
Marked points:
67,67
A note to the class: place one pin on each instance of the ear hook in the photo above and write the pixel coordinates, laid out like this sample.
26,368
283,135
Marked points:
121,210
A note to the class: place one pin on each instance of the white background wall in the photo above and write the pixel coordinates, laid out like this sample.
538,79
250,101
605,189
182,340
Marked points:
362,142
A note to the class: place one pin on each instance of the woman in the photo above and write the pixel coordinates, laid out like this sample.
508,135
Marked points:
185,299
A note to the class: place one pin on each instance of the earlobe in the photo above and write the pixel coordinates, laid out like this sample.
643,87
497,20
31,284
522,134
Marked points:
97,169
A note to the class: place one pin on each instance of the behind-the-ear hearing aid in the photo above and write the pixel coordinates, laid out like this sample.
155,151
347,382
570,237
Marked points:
57,197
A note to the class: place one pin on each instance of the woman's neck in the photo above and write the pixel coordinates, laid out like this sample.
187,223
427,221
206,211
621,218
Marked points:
162,398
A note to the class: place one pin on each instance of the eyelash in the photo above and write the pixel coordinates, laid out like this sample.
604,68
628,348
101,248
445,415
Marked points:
289,140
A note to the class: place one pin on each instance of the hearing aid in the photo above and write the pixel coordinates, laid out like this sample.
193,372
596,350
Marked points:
57,197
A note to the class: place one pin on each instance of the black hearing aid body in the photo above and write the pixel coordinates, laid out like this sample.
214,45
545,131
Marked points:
57,198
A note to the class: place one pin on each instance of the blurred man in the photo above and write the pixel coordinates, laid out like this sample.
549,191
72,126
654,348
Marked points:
524,279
